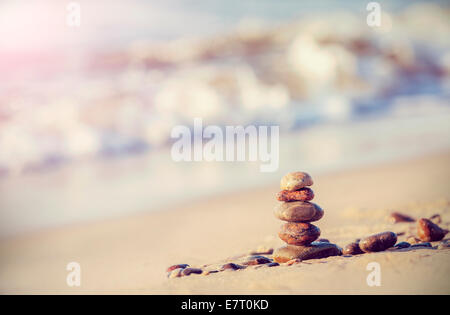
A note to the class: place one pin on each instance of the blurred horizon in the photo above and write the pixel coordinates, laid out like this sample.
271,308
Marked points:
86,112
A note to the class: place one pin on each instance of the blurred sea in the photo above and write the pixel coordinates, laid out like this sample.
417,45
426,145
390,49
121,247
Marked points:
86,113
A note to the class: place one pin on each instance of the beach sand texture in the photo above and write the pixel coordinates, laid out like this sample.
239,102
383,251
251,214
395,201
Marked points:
131,255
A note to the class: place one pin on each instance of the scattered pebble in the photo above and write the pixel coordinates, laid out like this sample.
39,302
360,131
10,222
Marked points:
182,266
298,233
402,245
188,271
175,273
312,251
324,240
378,242
298,211
429,232
396,217
352,249
256,260
303,194
231,266
295,181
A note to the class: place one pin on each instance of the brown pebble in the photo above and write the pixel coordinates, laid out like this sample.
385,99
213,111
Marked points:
429,232
299,233
298,211
352,249
303,194
188,271
396,217
182,266
256,260
312,251
378,242
402,245
231,266
295,181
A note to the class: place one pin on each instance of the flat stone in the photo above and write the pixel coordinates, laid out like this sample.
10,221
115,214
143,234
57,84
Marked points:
429,232
402,245
352,249
303,194
189,271
298,211
231,266
316,250
295,181
256,260
378,242
299,233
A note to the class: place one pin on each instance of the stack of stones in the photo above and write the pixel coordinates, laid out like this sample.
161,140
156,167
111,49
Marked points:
298,211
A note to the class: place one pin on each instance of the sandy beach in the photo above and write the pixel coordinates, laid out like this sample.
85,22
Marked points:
131,255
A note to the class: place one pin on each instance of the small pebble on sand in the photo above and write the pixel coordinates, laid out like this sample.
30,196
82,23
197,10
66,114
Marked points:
378,242
429,232
396,217
256,260
402,245
298,211
188,271
231,266
352,249
312,251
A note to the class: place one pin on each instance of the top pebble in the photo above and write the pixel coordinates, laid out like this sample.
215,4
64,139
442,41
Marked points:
296,180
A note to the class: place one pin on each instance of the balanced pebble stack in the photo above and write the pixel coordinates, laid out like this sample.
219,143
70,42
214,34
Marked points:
297,210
